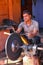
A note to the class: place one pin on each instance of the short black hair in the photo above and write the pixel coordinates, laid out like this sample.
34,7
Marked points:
26,11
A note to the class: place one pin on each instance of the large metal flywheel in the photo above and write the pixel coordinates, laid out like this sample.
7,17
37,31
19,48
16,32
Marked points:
12,42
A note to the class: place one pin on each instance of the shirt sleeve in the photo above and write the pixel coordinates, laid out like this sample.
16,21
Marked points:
36,26
20,25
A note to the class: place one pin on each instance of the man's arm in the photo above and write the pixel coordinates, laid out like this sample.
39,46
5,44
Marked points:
35,31
18,30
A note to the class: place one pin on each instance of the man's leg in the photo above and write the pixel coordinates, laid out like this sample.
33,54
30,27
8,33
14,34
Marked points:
36,40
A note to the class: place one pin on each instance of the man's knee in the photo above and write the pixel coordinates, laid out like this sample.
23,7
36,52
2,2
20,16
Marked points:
37,40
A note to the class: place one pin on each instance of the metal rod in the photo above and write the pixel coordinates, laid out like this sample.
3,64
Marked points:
39,48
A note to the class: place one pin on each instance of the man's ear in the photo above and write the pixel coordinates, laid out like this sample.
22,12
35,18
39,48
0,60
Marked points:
30,16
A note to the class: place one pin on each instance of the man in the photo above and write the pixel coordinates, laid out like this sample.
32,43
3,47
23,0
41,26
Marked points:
31,28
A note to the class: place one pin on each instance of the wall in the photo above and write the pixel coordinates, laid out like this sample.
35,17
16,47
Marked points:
10,9
14,10
26,4
3,10
37,11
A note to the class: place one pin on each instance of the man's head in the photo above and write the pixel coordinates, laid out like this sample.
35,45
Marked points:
26,15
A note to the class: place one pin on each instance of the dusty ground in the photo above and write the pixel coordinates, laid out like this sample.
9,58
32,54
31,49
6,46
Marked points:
4,62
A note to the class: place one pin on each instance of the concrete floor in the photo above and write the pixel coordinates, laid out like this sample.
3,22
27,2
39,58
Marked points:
9,62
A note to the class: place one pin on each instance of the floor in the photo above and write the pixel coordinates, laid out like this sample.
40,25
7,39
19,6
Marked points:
9,62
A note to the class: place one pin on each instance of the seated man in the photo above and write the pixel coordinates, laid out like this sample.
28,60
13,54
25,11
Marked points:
31,28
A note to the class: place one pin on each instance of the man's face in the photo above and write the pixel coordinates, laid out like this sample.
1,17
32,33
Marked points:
26,17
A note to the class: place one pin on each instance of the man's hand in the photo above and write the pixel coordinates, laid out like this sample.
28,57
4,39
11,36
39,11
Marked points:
32,34
18,30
